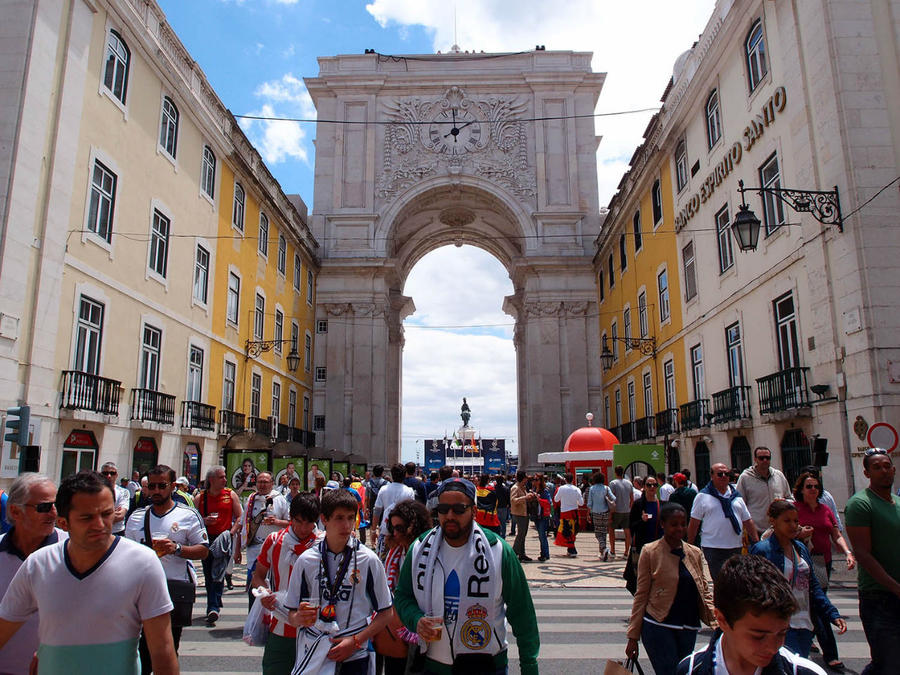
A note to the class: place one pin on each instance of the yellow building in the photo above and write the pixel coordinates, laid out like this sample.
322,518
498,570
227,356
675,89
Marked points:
639,294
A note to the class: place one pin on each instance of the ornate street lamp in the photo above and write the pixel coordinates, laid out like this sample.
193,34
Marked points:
254,348
646,346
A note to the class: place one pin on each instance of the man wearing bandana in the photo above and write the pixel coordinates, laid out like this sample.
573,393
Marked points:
458,587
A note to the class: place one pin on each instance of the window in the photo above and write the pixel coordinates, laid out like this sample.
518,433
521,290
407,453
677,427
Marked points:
321,373
168,127
618,406
614,338
282,254
159,243
115,72
208,172
681,165
201,274
103,202
648,395
319,423
697,372
662,281
195,374
306,412
263,241
237,209
88,336
234,298
228,376
307,352
279,330
656,200
756,55
150,349
600,286
609,266
623,252
773,209
735,351
292,408
626,328
713,122
298,279
255,392
606,421
322,326
669,380
632,404
636,226
309,286
259,317
723,230
642,314
690,273
295,336
276,401
786,328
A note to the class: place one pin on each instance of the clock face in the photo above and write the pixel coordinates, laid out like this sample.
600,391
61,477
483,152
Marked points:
454,132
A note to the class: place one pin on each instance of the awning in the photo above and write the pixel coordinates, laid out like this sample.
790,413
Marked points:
584,456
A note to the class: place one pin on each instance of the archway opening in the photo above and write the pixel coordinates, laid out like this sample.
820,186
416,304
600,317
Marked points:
458,343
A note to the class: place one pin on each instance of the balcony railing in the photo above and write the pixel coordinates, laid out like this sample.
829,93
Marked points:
731,404
784,390
230,422
695,415
284,432
196,415
84,391
148,405
667,422
259,425
643,428
626,433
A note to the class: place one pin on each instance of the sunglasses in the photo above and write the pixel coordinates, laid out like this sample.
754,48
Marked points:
810,486
875,451
43,507
721,474
650,485
399,529
157,486
458,509
765,458
109,473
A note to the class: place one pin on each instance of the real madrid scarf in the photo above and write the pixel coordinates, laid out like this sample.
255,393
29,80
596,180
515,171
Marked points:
480,586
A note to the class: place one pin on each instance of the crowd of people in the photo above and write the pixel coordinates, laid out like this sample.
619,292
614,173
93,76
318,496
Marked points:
393,573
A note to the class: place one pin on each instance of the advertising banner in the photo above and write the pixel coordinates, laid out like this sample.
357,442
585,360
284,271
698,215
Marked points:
641,456
359,469
494,455
317,467
342,469
242,467
435,455
290,467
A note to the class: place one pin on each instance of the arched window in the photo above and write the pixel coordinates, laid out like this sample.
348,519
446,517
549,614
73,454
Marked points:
701,464
208,172
757,66
115,71
168,127
740,453
237,210
713,121
681,167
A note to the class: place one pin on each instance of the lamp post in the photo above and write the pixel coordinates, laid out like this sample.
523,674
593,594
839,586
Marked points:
824,205
646,346
254,348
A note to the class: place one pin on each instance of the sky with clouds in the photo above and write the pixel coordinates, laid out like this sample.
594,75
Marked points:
256,53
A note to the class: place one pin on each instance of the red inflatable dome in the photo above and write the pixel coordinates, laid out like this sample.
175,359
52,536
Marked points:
590,438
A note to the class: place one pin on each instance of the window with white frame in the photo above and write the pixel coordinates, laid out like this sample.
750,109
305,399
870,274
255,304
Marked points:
648,395
681,164
643,323
755,46
102,202
168,127
723,232
292,408
234,298
773,209
626,328
309,286
305,412
276,400
159,244
208,172
662,282
319,423
228,377
614,338
262,241
279,330
237,208
600,285
656,201
697,372
623,252
735,349
713,120
195,374
606,421
118,63
295,337
201,275
690,272
669,382
619,407
88,336
255,394
636,226
151,343
282,254
307,352
786,332
298,267
609,267
321,373
322,326
259,317
632,402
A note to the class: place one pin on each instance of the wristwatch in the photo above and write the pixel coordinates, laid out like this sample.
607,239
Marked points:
177,549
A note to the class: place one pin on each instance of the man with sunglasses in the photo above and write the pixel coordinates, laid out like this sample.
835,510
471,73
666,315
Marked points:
720,515
32,513
458,587
110,473
760,485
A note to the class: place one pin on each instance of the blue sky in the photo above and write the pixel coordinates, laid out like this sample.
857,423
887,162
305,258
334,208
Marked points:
256,53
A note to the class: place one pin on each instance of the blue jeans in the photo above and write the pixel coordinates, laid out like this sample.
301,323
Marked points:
503,515
665,647
542,525
214,589
879,612
799,640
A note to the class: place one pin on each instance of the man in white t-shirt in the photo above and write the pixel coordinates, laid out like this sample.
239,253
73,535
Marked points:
389,495
569,498
720,514
266,511
94,592
177,533
110,473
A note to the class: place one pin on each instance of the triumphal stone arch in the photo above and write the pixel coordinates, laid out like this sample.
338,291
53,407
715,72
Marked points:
417,152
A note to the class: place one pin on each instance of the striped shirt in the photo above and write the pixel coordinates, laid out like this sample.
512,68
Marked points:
279,552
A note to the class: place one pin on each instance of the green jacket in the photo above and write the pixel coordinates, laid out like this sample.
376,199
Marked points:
516,596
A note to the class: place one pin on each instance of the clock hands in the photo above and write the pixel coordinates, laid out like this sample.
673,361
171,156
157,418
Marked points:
455,130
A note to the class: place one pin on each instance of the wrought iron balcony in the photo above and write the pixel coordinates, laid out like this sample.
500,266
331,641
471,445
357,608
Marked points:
667,422
84,391
148,405
230,422
196,415
695,415
731,404
643,428
626,433
259,425
284,433
784,390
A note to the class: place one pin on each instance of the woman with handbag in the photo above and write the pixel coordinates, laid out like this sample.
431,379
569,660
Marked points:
673,595
599,501
542,519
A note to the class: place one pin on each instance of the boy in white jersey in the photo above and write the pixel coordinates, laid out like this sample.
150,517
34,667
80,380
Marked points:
94,592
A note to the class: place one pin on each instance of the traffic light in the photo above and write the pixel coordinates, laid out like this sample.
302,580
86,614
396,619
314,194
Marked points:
17,420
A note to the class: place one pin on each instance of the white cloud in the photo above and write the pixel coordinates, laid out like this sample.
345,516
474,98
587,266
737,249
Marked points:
282,140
